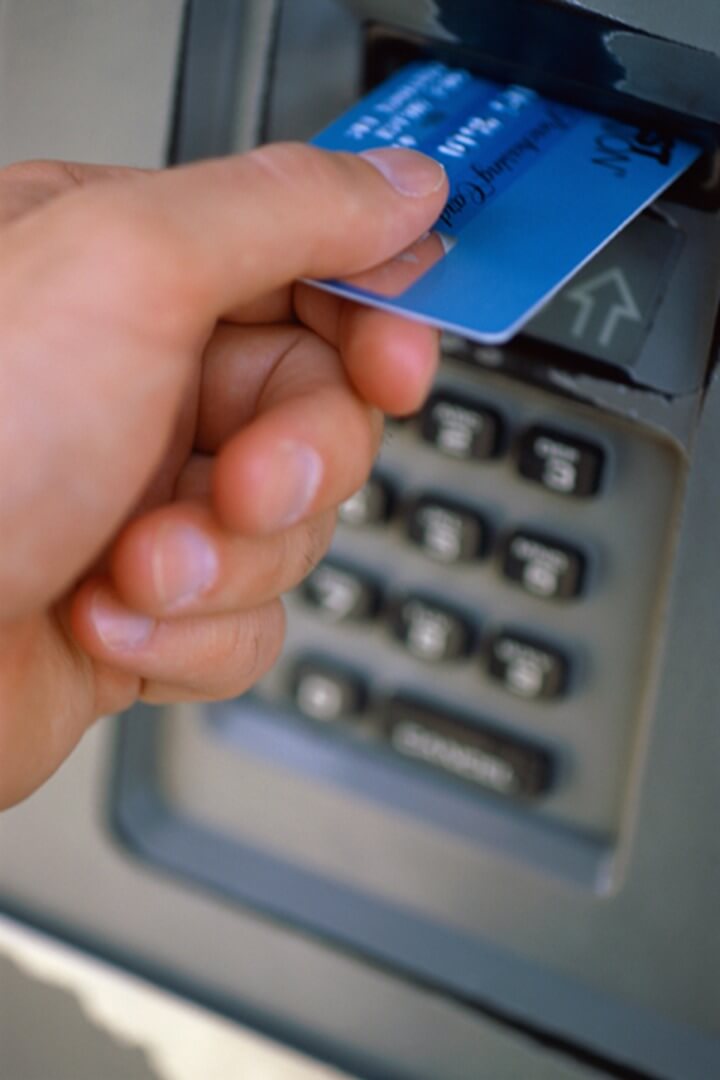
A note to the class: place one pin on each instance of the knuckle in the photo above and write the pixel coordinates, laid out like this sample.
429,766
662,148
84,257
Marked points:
295,553
278,557
37,171
325,178
22,173
8,793
260,635
366,442
377,430
285,163
315,540
290,376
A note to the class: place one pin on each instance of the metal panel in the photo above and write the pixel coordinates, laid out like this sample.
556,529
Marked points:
87,80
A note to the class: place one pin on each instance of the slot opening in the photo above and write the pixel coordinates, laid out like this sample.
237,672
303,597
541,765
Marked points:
387,49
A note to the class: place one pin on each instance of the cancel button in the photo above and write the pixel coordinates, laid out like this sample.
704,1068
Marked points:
470,751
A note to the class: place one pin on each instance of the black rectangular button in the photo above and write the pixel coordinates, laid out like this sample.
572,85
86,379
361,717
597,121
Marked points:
543,566
560,462
460,428
371,505
447,531
430,631
327,692
472,752
341,593
527,667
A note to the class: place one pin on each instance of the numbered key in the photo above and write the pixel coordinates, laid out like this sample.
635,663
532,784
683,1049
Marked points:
561,463
543,566
341,593
327,693
527,667
372,505
430,631
447,531
460,428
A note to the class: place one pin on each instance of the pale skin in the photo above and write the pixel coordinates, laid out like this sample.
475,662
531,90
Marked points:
178,421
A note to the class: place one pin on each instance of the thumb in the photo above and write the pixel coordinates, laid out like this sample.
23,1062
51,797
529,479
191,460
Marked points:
243,226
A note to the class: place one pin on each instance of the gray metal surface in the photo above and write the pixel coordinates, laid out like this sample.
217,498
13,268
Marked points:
656,283
318,69
95,1021
88,80
609,307
227,49
695,23
44,1033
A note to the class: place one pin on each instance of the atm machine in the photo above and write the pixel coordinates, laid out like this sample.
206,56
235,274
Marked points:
470,825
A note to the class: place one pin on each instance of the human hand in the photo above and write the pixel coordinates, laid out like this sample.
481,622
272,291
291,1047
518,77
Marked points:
178,422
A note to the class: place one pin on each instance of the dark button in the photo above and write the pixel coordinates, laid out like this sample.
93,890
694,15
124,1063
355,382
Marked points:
371,505
560,462
527,667
543,566
326,692
446,531
430,631
341,593
470,751
460,428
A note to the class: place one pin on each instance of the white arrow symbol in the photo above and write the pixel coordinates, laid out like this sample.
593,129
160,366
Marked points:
585,297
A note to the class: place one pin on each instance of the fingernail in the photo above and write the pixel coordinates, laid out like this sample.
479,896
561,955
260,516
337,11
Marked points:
184,565
118,628
409,172
293,474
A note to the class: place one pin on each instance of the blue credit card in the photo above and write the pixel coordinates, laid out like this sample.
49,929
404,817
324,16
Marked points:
536,189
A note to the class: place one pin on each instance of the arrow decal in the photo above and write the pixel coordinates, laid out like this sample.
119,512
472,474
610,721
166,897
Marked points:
585,296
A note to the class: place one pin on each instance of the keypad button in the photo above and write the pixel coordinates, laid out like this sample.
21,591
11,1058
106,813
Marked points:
446,531
527,667
341,593
372,505
430,631
325,692
473,752
543,566
460,428
560,462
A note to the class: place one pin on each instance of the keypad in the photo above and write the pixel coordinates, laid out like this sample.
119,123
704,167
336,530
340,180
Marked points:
527,667
341,593
460,427
474,752
446,531
430,631
543,566
473,580
561,463
327,693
